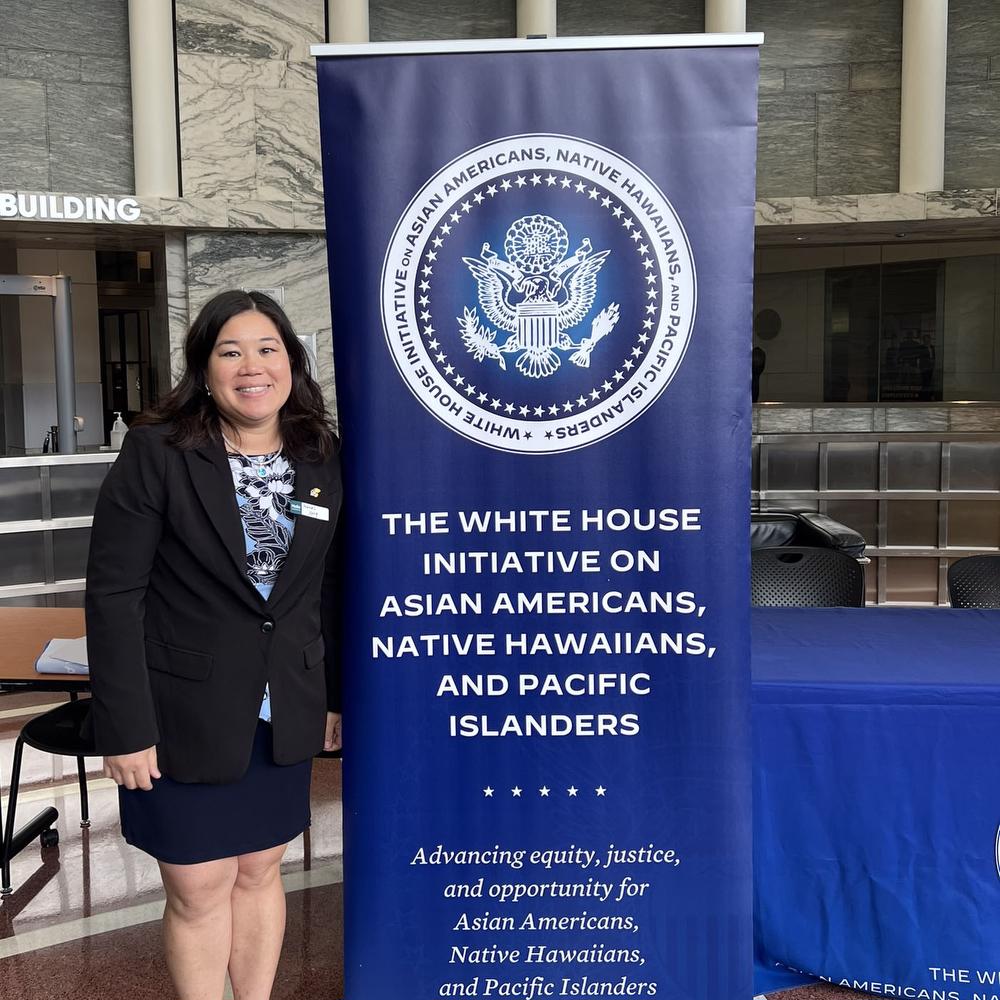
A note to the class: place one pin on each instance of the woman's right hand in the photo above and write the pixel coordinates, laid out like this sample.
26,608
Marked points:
133,770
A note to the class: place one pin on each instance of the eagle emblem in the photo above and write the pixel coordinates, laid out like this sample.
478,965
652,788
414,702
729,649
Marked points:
536,295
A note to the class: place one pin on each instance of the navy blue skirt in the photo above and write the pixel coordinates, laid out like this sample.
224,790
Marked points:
185,824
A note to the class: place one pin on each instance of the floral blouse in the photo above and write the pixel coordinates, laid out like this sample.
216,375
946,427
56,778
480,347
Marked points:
264,486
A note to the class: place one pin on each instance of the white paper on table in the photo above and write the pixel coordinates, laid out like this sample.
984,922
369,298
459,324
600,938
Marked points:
64,656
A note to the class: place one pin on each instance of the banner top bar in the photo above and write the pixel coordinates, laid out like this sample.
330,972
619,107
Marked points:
540,44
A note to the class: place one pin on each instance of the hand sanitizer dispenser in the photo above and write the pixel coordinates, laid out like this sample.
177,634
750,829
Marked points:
118,431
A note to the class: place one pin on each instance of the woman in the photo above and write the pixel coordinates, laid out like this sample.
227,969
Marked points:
209,592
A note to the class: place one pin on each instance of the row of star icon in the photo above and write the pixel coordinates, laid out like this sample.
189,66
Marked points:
520,182
523,410
470,389
545,792
628,222
466,206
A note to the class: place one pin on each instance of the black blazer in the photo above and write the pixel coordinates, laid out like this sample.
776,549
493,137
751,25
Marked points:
179,641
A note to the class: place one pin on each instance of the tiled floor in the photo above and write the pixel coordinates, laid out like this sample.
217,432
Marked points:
83,920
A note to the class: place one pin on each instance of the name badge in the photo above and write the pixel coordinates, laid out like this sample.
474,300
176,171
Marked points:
309,510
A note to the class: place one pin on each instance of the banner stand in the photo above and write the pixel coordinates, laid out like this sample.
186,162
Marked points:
541,262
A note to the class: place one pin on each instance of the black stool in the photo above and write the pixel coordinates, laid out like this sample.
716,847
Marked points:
57,732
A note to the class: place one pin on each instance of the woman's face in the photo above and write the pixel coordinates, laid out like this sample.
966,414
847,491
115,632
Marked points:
248,373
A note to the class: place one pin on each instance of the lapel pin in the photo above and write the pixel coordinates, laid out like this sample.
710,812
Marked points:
315,491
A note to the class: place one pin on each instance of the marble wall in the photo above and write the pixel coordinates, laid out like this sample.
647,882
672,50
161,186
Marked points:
248,108
399,21
972,115
829,96
250,144
830,79
175,292
769,419
392,20
829,102
634,17
65,98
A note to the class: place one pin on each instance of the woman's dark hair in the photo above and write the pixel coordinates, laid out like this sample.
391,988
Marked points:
306,431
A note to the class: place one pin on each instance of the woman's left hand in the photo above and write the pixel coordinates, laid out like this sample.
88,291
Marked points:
333,739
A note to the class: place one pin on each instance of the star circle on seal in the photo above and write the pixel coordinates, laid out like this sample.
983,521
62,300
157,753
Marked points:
538,294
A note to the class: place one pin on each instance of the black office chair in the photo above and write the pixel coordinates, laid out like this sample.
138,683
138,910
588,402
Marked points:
790,576
57,732
974,582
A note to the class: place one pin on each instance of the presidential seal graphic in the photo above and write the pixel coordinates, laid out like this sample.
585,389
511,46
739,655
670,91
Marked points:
538,294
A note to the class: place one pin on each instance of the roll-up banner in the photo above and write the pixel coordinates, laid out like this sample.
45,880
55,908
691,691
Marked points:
540,266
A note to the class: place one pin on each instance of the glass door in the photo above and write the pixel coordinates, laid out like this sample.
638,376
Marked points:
127,373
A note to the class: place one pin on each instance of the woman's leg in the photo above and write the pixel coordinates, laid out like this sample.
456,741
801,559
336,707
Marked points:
258,909
197,925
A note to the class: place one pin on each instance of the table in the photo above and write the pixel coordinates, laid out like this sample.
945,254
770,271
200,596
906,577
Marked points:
877,799
23,635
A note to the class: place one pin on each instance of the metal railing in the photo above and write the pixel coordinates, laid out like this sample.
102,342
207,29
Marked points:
46,511
921,500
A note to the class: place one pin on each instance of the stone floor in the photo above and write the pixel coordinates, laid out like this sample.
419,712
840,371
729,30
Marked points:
83,920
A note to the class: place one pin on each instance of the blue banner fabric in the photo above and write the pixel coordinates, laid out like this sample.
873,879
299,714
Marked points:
541,288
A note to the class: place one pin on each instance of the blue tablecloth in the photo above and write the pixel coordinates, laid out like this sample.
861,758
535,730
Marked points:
877,799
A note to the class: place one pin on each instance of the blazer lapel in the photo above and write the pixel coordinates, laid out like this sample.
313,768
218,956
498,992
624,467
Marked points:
213,482
308,530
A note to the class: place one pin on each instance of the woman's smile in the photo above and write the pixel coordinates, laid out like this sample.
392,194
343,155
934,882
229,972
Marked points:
249,374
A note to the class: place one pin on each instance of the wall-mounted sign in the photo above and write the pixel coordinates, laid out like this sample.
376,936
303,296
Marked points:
278,294
27,284
68,207
309,343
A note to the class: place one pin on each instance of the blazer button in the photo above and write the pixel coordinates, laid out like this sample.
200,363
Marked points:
267,625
